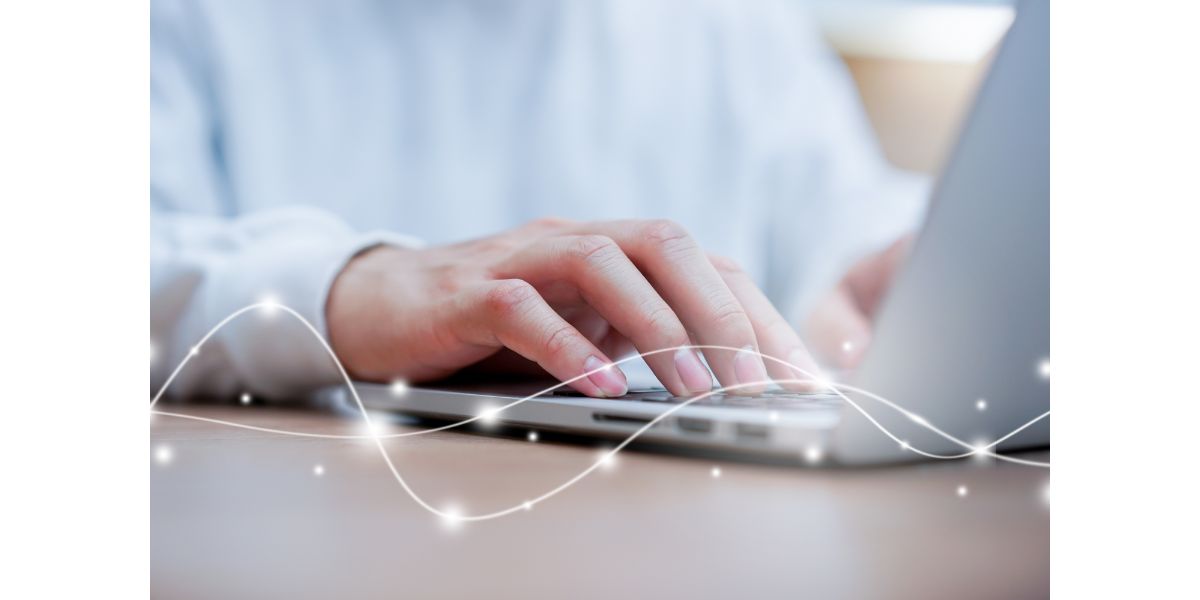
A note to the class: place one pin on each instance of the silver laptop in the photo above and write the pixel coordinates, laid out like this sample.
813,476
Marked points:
963,339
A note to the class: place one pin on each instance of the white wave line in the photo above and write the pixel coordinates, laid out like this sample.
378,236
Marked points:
985,450
835,387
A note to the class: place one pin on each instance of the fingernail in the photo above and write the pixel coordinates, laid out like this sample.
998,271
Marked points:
749,367
695,376
606,376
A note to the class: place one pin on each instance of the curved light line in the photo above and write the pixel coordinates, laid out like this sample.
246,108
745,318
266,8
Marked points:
351,436
529,503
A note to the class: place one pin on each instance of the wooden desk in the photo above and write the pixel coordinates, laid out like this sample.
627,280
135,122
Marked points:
238,514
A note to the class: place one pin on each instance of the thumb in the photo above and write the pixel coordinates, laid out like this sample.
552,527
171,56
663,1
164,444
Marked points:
839,331
870,278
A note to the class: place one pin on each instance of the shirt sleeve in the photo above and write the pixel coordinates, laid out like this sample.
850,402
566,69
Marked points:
833,196
206,263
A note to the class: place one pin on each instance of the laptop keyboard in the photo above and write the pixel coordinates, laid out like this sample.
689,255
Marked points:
767,399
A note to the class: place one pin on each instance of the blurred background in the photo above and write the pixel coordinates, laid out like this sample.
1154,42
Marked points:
917,64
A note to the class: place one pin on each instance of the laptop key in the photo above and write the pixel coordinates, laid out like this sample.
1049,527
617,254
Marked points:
769,398
568,392
655,398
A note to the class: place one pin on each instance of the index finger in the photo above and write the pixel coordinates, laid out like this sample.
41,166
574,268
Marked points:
680,270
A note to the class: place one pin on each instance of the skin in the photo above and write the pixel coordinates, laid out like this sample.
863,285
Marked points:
840,326
567,297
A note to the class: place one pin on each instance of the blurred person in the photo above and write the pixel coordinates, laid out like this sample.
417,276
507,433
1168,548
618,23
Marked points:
508,184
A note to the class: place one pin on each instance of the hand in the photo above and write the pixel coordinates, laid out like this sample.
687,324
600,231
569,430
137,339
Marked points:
567,296
840,327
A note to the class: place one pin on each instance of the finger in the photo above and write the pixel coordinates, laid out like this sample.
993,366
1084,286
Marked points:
869,279
838,330
610,283
597,329
581,317
776,337
617,346
511,314
680,270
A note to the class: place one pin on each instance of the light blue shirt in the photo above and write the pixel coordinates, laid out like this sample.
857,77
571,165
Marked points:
287,136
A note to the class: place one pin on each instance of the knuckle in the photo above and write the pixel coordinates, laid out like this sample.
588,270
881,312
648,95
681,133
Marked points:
559,341
729,314
724,264
593,250
508,297
662,321
665,232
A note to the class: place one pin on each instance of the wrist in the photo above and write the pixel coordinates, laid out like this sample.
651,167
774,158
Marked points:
356,293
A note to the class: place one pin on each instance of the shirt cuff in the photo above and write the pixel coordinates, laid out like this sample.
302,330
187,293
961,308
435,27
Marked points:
275,354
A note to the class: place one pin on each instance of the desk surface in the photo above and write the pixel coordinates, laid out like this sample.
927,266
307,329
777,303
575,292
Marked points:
238,513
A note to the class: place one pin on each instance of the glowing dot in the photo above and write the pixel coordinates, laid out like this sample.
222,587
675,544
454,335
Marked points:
373,429
451,518
527,505
822,381
489,415
980,450
152,352
246,398
163,455
399,388
1044,368
813,454
905,446
607,460
918,419
716,472
194,351
532,436
1046,494
981,405
319,470
847,346
962,491
268,304
774,416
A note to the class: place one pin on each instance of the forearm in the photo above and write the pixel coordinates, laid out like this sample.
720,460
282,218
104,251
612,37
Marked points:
204,269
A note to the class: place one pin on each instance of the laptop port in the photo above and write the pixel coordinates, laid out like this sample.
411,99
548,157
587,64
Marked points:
694,425
620,419
750,431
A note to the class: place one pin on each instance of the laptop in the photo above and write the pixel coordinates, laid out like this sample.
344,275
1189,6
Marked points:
960,357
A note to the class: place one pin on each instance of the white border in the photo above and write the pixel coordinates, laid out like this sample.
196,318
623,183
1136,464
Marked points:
73,151
1126,298
74,303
